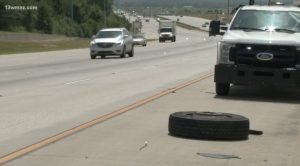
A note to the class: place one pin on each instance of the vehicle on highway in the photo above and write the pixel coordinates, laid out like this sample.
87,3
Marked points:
136,26
112,41
147,19
223,27
260,48
167,30
139,39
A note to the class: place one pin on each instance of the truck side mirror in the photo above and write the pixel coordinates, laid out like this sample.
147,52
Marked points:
214,28
93,37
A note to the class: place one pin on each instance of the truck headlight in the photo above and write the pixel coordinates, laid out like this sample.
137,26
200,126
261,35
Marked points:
223,53
92,44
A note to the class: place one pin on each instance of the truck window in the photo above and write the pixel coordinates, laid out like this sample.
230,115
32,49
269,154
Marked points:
166,30
267,20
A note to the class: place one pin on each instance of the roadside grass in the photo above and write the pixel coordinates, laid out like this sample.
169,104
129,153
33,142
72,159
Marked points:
13,47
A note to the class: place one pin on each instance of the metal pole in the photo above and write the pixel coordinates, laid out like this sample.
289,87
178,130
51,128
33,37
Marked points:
72,11
104,8
227,10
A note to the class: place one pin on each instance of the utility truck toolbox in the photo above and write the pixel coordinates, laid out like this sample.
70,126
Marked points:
260,48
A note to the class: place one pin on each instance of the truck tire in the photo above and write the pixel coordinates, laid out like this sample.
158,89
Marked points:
209,125
93,56
131,53
222,89
173,39
123,55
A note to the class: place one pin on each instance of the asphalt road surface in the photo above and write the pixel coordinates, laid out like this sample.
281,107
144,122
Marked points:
45,93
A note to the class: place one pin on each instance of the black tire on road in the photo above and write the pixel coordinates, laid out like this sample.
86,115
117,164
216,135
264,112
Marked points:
131,53
103,56
209,125
222,89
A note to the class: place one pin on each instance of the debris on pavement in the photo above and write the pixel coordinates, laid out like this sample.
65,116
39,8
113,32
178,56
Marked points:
218,156
255,132
145,145
209,125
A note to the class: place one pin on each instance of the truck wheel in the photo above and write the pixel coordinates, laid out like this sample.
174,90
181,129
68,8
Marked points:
222,89
173,39
93,56
209,125
123,55
131,53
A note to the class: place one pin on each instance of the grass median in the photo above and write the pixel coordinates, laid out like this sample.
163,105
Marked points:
13,47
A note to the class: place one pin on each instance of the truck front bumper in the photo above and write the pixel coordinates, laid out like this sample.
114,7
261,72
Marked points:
166,37
257,76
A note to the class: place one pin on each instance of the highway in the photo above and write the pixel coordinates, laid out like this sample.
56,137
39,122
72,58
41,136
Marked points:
44,94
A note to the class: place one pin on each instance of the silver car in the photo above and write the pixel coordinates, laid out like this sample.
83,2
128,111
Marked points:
139,39
112,41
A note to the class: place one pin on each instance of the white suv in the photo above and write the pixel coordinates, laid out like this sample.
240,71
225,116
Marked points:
260,48
113,41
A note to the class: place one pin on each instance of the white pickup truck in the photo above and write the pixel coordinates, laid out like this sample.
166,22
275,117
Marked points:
260,48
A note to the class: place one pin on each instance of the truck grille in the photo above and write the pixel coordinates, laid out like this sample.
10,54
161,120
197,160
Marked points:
105,45
283,56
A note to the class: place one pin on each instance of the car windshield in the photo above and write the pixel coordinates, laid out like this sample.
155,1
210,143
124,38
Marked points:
260,20
108,34
166,30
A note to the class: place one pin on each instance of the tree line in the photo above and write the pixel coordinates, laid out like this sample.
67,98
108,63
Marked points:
194,3
81,18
